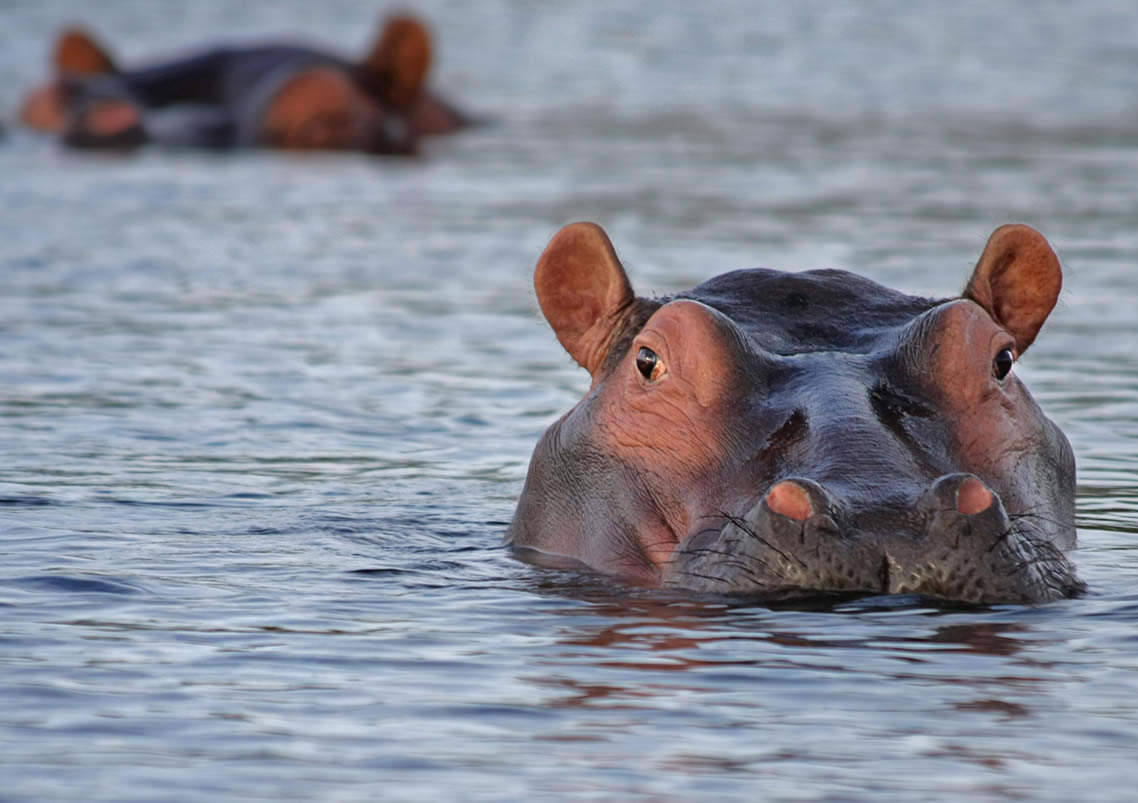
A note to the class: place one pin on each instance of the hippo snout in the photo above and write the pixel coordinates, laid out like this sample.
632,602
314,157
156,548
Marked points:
954,541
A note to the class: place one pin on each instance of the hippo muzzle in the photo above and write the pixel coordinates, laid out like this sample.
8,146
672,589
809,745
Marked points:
957,542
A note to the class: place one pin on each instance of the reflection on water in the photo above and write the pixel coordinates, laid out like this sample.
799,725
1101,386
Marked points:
264,419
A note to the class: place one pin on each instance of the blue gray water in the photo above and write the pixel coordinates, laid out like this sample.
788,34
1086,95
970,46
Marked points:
263,418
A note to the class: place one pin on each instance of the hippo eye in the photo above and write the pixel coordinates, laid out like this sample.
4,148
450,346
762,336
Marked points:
1002,364
647,363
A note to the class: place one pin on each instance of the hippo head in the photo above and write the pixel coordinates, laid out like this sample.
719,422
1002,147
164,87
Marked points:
75,54
769,432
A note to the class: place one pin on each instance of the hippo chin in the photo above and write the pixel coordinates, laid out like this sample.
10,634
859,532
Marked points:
768,432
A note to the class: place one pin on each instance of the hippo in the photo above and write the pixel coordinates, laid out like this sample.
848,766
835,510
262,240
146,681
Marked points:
771,433
276,95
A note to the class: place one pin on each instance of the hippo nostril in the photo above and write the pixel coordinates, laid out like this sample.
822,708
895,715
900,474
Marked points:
959,493
790,499
973,497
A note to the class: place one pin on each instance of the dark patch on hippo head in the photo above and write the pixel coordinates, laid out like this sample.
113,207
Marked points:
797,301
893,408
792,431
769,431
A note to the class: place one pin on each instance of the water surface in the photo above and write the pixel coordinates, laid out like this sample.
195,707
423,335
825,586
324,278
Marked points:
264,418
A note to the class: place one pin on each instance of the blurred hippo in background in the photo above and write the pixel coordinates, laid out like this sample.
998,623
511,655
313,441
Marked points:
270,95
771,433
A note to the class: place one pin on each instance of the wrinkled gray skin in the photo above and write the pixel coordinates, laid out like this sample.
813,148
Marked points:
904,461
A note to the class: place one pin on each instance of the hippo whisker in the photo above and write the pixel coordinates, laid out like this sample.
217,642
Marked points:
1035,518
704,577
746,528
1038,553
730,559
728,583
1002,538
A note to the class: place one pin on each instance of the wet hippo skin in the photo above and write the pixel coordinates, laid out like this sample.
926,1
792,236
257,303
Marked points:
770,432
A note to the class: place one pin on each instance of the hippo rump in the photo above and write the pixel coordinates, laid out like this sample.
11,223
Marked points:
773,433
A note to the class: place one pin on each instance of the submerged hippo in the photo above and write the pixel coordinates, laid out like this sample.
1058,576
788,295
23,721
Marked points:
773,432
276,95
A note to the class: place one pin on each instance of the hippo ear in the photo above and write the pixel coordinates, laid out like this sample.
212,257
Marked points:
78,52
396,67
582,289
1017,280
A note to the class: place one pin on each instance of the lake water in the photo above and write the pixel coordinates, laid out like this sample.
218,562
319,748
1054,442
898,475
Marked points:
263,419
